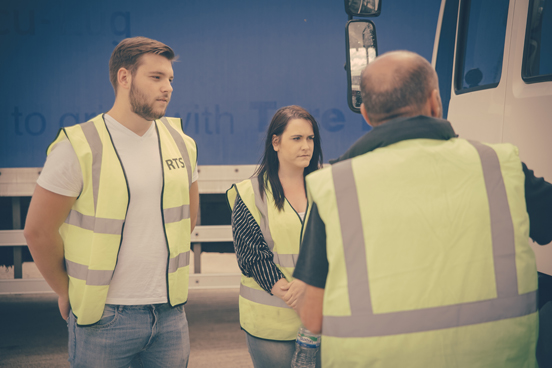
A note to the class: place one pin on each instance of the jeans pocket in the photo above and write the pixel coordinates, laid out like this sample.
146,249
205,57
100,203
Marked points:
109,316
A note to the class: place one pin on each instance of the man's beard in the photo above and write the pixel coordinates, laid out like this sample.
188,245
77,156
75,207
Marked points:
140,107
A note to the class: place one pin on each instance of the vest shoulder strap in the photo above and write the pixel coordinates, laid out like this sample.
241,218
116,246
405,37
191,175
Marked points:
66,132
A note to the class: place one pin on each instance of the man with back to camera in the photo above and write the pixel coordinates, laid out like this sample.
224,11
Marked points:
416,247
110,220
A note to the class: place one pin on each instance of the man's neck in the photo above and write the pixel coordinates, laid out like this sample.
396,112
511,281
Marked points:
129,119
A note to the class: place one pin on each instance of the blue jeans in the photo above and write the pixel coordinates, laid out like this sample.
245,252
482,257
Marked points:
154,335
272,353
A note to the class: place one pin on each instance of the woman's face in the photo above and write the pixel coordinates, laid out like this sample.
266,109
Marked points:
296,144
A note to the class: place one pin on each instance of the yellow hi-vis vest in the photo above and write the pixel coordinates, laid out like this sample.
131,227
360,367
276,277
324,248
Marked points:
261,314
429,262
92,233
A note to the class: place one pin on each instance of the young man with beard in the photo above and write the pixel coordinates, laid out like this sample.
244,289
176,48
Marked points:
110,220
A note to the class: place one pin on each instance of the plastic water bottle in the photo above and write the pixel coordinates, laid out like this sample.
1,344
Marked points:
307,346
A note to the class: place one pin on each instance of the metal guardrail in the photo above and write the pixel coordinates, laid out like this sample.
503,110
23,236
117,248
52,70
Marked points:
221,233
197,281
10,238
20,182
201,234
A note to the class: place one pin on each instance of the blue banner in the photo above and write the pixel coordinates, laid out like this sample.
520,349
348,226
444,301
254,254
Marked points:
239,61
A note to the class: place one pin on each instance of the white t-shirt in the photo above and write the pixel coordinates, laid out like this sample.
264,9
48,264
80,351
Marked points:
140,274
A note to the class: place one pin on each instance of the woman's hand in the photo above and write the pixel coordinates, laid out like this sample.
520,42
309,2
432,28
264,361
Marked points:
279,288
295,291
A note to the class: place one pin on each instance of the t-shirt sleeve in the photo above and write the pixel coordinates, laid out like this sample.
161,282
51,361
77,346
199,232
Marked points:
312,264
61,173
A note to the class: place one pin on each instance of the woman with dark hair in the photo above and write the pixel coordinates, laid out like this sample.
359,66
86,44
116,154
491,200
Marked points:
267,220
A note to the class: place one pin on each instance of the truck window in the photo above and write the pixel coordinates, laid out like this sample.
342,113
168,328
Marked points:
480,51
537,56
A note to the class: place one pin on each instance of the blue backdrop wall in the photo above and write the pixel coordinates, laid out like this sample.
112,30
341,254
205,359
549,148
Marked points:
239,62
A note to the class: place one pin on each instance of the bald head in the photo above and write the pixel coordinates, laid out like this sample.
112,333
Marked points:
399,84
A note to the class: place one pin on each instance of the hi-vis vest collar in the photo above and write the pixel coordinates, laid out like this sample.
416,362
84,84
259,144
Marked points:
397,130
364,323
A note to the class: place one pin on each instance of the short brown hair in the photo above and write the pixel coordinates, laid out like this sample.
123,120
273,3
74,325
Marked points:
128,52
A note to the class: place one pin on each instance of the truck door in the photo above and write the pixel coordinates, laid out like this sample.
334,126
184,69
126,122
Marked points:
478,87
528,100
497,80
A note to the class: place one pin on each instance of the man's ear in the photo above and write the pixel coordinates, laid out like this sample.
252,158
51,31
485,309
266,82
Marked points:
365,114
275,142
435,104
124,78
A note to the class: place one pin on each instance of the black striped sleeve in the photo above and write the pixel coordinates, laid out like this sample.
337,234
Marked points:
255,259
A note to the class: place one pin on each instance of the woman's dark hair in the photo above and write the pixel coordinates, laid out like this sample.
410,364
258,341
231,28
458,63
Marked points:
269,164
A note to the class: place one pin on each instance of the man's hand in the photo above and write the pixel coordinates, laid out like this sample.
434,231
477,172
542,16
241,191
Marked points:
295,293
63,304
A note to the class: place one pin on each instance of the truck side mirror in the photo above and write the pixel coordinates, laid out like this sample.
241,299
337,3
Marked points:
361,49
363,8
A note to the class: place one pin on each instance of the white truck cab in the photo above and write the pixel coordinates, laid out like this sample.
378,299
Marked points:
494,61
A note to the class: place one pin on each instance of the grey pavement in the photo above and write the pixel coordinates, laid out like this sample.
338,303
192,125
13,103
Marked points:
32,333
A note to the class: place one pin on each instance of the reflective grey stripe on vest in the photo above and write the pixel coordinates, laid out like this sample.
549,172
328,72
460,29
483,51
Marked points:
364,323
284,260
182,260
261,297
92,277
260,202
181,147
176,214
95,224
96,147
103,277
